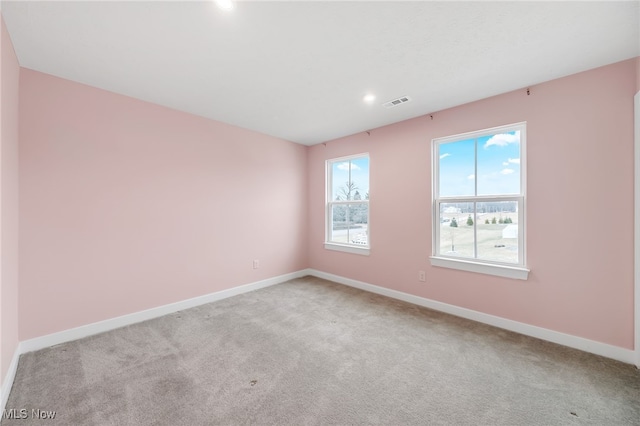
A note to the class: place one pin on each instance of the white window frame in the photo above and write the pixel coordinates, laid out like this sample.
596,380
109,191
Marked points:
329,203
510,270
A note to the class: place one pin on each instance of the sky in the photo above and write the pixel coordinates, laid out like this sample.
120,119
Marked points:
498,166
359,175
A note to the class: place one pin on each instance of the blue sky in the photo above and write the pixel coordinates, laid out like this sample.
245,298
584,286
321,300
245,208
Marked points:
359,175
498,166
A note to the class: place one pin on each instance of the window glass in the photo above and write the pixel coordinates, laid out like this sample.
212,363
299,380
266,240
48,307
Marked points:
457,168
499,164
497,231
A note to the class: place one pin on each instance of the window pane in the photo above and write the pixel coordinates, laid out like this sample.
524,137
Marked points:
350,179
498,231
340,180
499,164
360,178
457,168
456,229
350,223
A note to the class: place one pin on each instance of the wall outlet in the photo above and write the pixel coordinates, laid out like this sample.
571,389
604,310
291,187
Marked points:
256,263
422,276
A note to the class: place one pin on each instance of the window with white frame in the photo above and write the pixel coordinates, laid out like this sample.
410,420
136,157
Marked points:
347,204
479,201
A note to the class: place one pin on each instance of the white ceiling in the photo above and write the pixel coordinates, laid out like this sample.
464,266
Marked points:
298,70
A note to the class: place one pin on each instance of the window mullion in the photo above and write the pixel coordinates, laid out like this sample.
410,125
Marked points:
329,194
475,230
475,193
349,195
350,202
481,198
475,168
521,231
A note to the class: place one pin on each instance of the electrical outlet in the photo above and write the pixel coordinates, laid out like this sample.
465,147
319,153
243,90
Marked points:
422,276
256,264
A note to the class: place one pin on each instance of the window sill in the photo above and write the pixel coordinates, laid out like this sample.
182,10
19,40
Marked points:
364,251
515,272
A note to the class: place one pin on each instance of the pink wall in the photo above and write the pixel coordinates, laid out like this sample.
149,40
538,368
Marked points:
9,202
127,206
580,207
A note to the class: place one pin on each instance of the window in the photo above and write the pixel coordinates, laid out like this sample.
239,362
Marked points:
347,207
479,201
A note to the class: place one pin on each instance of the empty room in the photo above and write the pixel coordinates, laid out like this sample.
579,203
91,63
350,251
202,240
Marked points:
320,212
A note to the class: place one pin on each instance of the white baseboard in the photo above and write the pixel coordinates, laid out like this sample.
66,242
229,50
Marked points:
7,383
598,348
122,321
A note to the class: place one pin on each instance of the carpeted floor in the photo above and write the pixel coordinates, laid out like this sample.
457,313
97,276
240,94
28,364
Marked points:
311,352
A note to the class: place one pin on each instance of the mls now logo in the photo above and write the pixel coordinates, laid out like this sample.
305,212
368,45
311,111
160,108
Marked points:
23,413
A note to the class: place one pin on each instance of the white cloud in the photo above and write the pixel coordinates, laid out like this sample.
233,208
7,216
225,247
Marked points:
507,171
511,161
345,166
445,155
503,139
471,177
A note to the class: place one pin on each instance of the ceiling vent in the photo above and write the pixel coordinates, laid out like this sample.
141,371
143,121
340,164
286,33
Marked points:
396,102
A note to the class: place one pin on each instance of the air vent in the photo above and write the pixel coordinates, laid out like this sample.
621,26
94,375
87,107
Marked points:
396,102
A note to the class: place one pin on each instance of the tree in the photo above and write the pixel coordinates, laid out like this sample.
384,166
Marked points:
352,213
469,221
345,192
493,221
454,223
486,221
359,213
339,213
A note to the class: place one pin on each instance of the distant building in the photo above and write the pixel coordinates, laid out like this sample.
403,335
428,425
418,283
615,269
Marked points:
452,209
510,231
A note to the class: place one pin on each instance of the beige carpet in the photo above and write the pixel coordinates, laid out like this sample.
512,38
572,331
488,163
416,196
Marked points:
313,352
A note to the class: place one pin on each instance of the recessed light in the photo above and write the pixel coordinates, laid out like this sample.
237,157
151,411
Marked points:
368,98
225,4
